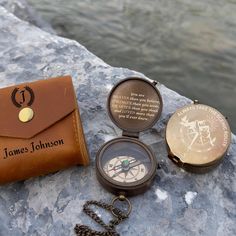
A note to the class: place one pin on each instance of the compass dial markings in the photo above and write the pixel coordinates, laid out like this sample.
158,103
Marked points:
124,168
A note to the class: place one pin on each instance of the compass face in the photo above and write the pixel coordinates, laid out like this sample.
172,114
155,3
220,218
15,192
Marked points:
125,169
125,165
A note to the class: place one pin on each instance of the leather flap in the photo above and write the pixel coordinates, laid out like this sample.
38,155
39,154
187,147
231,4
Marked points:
50,99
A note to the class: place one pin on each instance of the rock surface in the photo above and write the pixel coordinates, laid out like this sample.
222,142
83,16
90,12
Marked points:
178,203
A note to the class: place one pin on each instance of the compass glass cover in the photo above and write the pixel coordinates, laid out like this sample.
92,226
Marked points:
125,162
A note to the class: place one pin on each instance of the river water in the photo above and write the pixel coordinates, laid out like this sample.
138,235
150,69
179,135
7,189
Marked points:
190,46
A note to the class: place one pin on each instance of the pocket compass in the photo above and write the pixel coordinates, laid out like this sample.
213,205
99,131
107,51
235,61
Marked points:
126,166
198,137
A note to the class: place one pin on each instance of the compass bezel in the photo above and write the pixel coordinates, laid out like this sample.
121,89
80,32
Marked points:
131,188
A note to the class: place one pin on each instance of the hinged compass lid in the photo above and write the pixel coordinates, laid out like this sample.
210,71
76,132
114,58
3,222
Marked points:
125,165
134,105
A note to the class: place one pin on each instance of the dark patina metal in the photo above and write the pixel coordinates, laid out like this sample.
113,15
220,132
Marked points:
131,127
127,189
134,105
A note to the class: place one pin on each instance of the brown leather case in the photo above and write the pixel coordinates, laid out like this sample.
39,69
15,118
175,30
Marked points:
52,140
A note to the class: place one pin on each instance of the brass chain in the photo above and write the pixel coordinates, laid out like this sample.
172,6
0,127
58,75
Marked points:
83,230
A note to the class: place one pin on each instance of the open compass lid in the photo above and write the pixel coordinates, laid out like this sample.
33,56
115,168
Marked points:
134,104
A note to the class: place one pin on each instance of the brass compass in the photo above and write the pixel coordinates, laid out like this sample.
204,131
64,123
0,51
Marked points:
198,137
126,166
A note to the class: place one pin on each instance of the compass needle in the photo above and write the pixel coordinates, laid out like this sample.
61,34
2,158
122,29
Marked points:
131,173
127,169
126,166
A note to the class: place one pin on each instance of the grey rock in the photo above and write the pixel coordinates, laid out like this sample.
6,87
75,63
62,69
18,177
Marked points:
178,203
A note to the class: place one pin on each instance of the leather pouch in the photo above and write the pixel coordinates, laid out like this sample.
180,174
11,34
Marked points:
40,129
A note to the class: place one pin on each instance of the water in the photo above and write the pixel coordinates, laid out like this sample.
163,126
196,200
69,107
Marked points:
190,46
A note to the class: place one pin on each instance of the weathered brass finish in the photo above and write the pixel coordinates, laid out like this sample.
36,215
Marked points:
26,114
121,198
198,137
134,105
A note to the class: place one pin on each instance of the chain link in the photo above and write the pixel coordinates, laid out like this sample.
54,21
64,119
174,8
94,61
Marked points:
83,230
